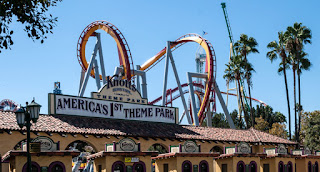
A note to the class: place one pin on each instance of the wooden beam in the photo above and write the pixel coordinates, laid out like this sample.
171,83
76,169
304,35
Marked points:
155,139
137,138
145,138
163,139
36,133
84,135
97,136
23,132
62,134
49,133
73,135
108,137
171,139
9,131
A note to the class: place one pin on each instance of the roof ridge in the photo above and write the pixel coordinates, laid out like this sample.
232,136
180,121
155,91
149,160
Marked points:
252,130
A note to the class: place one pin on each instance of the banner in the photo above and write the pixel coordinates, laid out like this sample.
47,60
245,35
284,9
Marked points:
80,106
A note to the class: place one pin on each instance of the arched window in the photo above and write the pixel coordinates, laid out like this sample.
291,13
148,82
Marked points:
118,166
309,166
289,167
186,166
139,167
57,166
203,166
281,167
217,149
316,167
241,166
253,166
158,147
35,167
81,146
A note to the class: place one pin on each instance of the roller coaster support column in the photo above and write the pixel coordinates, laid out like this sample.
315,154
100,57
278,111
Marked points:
193,101
96,74
87,74
169,55
165,80
223,105
103,73
138,80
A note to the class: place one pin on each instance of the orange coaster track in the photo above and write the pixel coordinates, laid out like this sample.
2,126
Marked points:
125,57
210,67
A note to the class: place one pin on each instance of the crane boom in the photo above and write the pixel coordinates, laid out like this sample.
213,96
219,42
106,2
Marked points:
223,4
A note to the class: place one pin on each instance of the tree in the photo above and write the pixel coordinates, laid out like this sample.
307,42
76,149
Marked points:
279,130
30,13
261,124
268,115
234,73
219,120
247,46
312,128
278,50
297,37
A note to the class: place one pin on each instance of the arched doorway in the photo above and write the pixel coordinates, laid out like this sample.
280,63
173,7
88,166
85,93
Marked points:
35,167
217,149
158,147
186,166
118,166
290,167
241,166
316,167
85,148
139,167
281,167
253,166
203,166
57,166
309,166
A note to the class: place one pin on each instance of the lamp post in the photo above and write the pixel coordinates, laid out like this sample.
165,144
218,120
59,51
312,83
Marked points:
24,116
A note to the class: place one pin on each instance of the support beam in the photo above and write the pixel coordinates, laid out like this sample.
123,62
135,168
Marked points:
165,79
103,72
96,74
87,74
178,81
193,101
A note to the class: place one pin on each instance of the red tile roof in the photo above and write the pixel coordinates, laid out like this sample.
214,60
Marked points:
102,126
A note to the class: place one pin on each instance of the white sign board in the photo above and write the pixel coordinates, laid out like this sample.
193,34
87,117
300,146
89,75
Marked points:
80,106
230,150
271,151
297,152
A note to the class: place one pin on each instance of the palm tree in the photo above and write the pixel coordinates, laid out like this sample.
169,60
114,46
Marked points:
234,73
246,46
304,64
298,36
278,50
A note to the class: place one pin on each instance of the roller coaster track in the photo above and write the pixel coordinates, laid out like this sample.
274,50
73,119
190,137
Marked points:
125,57
170,91
210,67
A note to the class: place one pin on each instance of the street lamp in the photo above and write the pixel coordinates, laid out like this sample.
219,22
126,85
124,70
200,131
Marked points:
24,115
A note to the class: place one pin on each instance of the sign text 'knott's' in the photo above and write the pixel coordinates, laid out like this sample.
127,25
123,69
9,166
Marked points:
119,90
71,105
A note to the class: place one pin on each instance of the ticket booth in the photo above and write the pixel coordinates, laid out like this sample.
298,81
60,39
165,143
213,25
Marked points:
57,161
123,156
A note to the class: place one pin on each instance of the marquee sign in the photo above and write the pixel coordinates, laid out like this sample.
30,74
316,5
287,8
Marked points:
119,90
81,106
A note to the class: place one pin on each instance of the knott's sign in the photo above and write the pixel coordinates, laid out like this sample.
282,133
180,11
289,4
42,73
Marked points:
119,90
80,106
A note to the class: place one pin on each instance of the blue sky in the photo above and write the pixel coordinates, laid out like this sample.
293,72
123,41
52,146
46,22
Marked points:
30,68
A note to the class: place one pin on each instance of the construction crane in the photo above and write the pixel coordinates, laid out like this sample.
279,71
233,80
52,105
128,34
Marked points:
232,52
